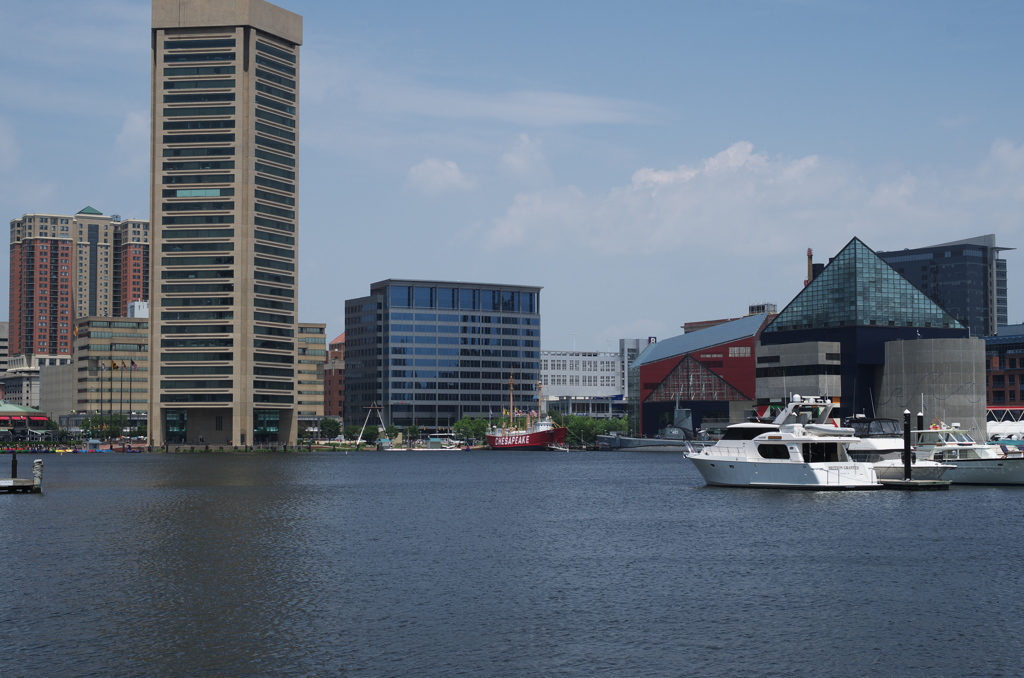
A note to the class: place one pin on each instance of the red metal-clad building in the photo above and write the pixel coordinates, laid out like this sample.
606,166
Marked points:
711,372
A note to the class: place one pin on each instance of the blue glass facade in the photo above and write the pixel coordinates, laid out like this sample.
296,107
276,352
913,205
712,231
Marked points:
432,352
966,278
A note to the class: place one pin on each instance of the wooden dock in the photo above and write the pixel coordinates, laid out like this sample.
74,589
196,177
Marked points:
919,485
9,485
15,484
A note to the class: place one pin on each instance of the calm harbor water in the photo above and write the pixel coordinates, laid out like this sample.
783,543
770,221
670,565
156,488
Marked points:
447,563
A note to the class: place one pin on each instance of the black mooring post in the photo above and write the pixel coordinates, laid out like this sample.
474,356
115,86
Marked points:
906,445
920,421
14,464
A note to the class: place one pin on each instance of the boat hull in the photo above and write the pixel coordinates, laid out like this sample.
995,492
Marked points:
642,444
1009,471
733,472
538,440
922,470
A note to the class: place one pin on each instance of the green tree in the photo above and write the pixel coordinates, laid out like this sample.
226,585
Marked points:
370,435
329,428
412,433
470,428
104,426
352,432
391,432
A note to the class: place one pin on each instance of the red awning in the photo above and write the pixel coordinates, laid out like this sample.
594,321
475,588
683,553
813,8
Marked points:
5,419
38,419
17,418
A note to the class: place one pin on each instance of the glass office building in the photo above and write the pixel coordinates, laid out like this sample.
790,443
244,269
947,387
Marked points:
965,277
431,352
839,325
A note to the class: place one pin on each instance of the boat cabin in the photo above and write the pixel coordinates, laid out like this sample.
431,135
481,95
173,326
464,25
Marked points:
865,427
808,452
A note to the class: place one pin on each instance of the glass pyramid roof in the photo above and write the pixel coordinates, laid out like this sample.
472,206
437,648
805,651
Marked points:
857,288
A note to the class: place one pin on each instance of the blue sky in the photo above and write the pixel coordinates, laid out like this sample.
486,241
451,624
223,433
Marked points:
647,163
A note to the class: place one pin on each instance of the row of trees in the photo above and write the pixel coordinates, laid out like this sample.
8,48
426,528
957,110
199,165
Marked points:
582,431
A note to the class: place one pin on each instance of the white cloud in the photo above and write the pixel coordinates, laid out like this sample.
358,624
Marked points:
376,92
526,162
754,204
433,176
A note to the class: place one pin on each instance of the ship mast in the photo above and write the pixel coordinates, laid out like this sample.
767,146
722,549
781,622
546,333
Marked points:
511,409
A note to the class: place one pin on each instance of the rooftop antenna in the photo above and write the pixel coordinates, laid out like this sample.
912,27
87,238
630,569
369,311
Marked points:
810,267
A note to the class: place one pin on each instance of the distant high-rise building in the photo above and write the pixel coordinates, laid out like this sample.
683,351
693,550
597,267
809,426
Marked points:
71,266
64,267
311,358
334,378
224,202
965,277
430,352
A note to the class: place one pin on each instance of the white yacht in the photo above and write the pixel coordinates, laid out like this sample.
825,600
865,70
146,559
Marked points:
881,444
974,463
800,449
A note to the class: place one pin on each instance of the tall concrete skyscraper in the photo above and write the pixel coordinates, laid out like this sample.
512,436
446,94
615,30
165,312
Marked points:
224,210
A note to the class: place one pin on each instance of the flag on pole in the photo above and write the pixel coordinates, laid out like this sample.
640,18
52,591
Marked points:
123,366
113,365
103,366
134,366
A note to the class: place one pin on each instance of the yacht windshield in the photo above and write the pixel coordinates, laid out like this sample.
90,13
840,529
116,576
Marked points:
747,432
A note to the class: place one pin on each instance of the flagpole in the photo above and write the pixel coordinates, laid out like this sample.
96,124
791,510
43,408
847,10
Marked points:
120,404
110,422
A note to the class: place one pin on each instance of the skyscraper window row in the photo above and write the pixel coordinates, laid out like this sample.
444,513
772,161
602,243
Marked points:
272,143
273,157
274,277
191,111
278,185
180,57
271,263
276,131
274,251
199,97
193,71
199,192
273,51
199,179
272,223
275,118
276,79
193,152
206,83
196,206
274,237
274,197
275,211
262,60
198,124
198,138
208,43
276,105
274,291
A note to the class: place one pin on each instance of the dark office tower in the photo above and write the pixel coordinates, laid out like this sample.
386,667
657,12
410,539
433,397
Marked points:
966,278
431,352
224,201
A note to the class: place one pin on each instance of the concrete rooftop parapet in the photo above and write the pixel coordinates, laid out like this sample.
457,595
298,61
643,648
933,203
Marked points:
259,14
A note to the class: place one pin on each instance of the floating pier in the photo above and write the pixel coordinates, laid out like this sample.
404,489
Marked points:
16,484
920,485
